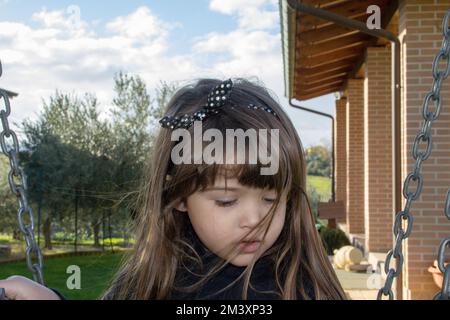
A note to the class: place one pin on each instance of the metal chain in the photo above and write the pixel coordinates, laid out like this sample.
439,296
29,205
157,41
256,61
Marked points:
11,150
444,294
423,137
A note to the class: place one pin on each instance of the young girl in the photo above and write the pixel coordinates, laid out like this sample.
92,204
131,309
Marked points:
221,230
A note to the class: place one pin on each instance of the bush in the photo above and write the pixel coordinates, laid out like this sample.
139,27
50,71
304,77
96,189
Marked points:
333,239
5,251
314,199
318,159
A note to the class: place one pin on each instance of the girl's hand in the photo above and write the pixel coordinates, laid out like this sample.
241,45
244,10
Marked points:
21,288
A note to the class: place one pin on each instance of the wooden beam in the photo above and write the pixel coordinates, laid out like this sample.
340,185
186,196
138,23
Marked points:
315,87
322,78
339,54
333,45
326,67
324,3
324,60
316,94
350,9
319,24
325,74
324,34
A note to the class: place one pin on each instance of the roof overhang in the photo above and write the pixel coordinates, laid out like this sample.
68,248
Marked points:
320,56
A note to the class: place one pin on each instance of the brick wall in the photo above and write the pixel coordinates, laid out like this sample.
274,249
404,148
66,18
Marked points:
420,33
340,138
378,211
355,156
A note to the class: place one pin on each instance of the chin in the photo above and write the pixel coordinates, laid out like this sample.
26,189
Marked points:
240,264
242,260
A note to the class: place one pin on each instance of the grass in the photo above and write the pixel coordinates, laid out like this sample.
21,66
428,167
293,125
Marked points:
322,186
96,273
8,239
59,239
58,246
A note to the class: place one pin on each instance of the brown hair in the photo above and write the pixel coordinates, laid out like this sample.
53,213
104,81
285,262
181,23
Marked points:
149,269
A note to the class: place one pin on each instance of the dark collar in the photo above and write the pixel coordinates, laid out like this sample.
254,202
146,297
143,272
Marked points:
262,278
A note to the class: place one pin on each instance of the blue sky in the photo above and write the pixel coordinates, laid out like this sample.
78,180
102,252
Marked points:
193,24
78,46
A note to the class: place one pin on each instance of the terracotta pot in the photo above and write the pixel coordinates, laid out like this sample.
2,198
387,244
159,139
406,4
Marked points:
438,276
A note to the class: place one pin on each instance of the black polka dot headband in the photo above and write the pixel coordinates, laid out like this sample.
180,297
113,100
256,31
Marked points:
217,99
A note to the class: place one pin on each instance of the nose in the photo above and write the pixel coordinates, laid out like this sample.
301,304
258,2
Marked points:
251,215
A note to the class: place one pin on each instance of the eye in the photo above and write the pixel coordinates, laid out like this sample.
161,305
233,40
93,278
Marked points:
270,200
225,203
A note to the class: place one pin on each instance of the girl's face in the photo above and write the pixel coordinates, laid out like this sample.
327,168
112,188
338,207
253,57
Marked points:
222,217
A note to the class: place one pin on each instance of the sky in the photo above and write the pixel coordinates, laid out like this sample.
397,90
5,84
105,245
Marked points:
78,47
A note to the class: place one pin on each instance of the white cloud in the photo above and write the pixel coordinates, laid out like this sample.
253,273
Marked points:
239,43
63,52
249,12
140,25
62,23
253,49
255,53
52,19
233,6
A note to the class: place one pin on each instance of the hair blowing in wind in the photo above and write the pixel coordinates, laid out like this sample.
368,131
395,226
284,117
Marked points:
149,270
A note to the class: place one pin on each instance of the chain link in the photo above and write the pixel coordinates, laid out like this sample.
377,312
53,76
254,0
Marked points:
447,205
423,136
444,294
11,150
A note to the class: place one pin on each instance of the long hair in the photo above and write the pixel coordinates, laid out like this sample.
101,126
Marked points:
149,270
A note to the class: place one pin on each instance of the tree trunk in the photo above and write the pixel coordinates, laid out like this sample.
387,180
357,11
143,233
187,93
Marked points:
110,230
96,229
16,234
76,223
47,230
39,221
103,230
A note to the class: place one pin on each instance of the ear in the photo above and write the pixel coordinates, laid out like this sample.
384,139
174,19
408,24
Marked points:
181,206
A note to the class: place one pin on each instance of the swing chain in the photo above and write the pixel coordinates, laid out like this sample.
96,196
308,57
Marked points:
444,294
424,137
20,189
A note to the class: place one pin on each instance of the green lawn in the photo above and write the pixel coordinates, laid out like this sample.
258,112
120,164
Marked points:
322,186
96,272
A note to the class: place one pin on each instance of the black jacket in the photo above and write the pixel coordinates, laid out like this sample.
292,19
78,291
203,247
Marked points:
262,280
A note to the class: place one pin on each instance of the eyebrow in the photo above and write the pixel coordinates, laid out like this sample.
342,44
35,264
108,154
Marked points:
222,189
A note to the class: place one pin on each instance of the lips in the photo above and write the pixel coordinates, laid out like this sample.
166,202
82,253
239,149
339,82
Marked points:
249,246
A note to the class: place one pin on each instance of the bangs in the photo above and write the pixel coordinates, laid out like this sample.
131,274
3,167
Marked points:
187,179
246,164
248,175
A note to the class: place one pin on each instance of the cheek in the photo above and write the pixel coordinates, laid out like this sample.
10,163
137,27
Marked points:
281,213
278,221
211,225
